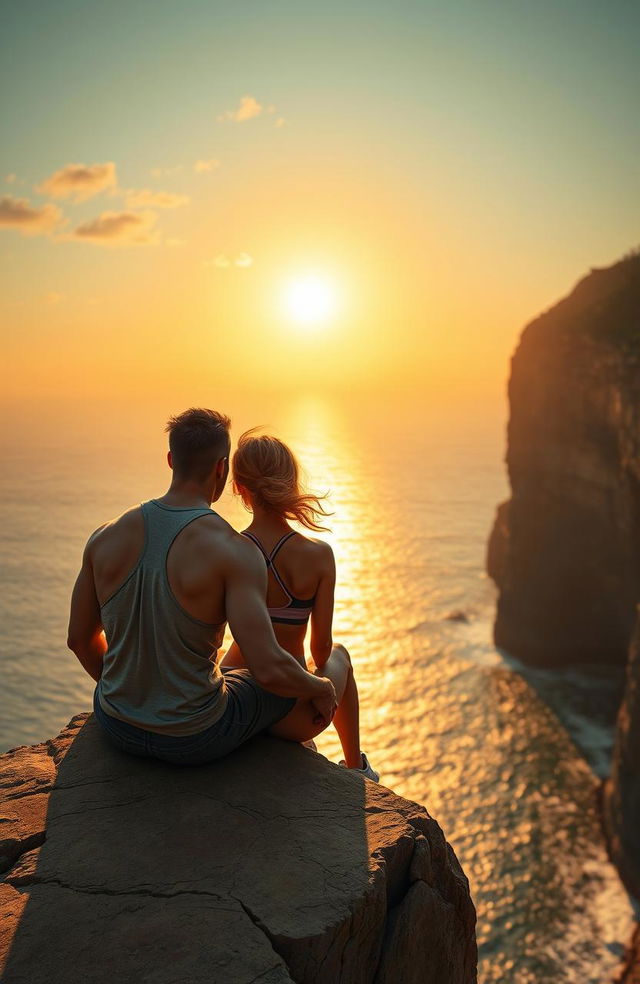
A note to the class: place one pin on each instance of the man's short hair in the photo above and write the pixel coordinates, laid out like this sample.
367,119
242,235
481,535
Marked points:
198,438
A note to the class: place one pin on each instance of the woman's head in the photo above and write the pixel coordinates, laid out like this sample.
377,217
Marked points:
266,474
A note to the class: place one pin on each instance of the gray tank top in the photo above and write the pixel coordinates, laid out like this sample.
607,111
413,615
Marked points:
160,670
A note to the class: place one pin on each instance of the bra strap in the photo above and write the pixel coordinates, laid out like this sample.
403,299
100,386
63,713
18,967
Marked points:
281,542
255,540
269,558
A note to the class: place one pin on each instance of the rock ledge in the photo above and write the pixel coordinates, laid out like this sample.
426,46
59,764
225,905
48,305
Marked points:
271,865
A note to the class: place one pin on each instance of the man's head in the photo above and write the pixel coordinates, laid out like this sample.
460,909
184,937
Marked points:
199,447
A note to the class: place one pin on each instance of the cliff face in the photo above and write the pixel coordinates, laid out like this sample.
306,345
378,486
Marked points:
564,551
271,865
622,791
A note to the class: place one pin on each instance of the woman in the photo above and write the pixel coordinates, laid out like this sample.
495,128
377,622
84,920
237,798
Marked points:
301,572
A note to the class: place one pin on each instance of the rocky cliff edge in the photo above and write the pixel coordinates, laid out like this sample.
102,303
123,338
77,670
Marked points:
272,865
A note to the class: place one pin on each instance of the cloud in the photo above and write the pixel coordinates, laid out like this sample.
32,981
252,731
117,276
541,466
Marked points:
280,121
200,167
119,229
249,108
223,262
11,178
160,172
146,198
17,213
175,242
243,260
79,181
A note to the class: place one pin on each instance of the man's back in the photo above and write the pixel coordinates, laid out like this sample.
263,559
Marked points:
161,597
194,563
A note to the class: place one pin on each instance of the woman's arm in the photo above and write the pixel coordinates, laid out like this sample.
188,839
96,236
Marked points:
322,614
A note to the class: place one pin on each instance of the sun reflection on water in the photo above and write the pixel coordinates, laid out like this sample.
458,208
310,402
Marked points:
445,721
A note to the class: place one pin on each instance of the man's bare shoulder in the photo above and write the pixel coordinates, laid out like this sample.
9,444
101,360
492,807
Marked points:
130,522
229,553
222,538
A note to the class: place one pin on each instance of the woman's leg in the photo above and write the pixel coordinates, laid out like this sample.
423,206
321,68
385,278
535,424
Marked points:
300,723
346,721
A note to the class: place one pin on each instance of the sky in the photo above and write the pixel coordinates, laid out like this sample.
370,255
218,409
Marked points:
171,174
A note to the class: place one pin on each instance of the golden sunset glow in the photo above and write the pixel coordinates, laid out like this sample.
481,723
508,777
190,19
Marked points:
311,300
278,203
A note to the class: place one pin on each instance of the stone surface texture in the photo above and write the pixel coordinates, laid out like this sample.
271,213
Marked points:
564,549
272,865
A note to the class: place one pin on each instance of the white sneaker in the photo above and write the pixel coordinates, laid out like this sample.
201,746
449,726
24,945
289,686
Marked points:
366,769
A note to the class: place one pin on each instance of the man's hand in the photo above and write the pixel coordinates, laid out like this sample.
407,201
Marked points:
325,706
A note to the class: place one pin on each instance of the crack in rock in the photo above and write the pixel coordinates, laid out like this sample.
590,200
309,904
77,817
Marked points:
135,893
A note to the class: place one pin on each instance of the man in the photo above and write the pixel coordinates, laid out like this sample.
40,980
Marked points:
148,613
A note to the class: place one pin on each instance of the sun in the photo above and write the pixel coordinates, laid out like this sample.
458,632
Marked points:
310,300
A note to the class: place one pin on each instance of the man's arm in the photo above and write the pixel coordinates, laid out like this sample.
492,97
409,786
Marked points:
85,636
274,668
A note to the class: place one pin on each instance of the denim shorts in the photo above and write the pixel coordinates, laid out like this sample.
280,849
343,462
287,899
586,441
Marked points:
250,710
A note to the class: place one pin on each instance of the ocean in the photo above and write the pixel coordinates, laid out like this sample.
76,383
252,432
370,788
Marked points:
507,760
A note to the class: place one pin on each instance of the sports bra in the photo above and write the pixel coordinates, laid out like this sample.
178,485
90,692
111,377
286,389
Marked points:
297,610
